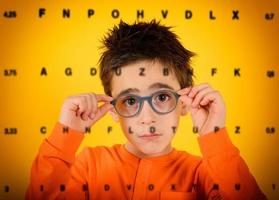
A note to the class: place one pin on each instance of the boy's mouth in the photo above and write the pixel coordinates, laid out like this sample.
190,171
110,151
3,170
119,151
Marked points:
150,136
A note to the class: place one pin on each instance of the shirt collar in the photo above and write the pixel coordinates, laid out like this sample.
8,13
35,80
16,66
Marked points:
160,160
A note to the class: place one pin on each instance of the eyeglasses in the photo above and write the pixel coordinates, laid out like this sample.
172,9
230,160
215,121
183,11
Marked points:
130,105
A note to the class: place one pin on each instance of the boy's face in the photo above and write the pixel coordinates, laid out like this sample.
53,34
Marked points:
140,124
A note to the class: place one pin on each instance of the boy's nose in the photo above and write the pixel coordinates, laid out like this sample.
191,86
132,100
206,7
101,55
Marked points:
147,115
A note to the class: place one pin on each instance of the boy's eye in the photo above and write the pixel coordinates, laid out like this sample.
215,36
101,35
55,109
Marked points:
162,97
129,101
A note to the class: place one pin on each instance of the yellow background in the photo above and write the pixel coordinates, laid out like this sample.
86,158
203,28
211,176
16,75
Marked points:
30,101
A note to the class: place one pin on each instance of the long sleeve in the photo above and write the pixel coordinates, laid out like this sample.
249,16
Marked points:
56,173
223,174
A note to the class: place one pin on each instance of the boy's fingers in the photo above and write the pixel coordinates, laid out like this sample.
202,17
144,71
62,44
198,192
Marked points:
82,105
184,90
91,102
202,93
185,100
102,110
88,107
103,97
94,102
197,88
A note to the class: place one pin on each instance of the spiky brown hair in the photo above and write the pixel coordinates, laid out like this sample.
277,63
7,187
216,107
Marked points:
126,43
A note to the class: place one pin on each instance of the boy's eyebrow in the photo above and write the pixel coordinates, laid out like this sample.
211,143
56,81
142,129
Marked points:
157,85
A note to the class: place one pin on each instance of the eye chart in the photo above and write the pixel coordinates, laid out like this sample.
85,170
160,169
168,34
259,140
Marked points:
49,50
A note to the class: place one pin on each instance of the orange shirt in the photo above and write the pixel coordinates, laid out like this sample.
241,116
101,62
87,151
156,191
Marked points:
114,173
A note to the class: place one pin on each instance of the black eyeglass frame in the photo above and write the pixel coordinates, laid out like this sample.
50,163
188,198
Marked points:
141,100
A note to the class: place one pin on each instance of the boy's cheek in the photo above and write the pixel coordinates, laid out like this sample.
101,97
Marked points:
129,129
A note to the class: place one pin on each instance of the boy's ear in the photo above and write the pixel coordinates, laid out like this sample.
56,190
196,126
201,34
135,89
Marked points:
114,115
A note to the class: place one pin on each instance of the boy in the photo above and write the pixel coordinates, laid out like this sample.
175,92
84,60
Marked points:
147,78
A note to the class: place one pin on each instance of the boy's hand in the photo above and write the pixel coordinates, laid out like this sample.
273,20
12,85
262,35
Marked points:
81,111
206,106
